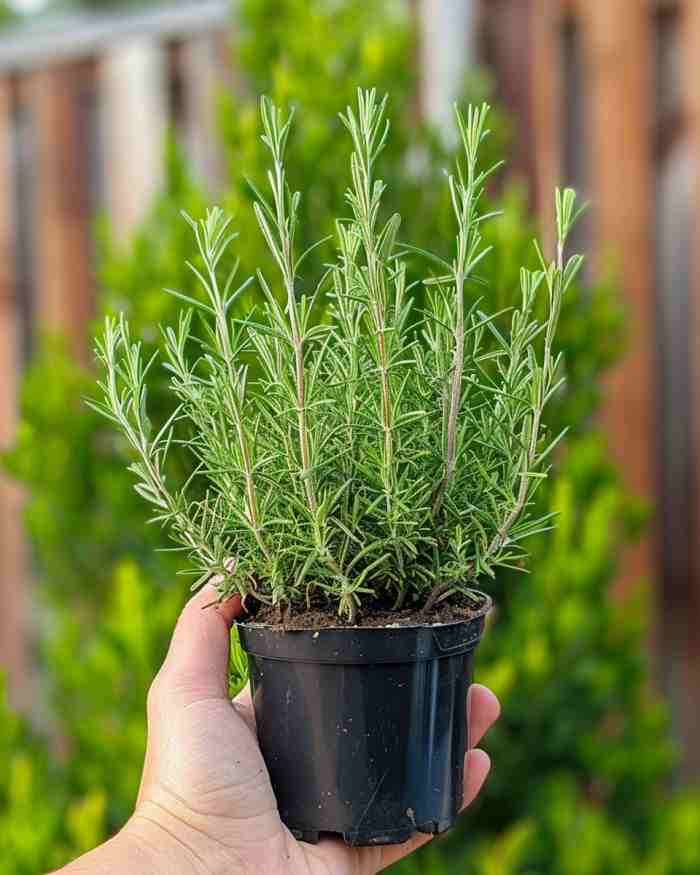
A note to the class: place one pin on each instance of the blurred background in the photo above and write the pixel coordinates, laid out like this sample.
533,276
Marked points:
112,119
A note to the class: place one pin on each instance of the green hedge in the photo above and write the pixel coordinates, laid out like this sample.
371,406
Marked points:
582,753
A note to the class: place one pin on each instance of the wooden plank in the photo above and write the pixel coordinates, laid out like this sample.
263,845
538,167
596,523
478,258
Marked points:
447,48
618,50
678,462
202,74
14,566
134,107
507,39
56,39
546,100
690,714
61,243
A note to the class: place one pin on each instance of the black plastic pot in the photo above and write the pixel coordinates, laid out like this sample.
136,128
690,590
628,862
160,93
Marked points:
364,730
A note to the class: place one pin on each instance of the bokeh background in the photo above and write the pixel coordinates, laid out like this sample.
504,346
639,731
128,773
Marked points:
112,119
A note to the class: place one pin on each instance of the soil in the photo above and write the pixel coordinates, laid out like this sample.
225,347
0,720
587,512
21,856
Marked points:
374,616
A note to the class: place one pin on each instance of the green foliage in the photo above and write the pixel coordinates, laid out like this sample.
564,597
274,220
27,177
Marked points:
118,655
41,823
361,462
581,756
79,503
56,805
7,15
582,751
567,833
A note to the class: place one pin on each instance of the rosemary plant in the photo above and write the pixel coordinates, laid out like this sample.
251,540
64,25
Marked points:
349,447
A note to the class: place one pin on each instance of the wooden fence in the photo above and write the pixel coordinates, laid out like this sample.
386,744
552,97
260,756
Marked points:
614,104
605,94
80,96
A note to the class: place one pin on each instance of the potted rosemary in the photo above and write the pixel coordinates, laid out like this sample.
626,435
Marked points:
365,450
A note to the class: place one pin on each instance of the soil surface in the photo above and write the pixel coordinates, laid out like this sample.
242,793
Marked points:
373,616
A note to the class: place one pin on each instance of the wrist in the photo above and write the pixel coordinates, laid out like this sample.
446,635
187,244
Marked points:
142,847
157,841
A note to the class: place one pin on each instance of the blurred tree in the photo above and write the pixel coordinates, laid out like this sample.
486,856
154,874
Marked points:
7,14
43,820
581,754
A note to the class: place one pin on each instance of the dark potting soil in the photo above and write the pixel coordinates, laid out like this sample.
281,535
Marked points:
373,616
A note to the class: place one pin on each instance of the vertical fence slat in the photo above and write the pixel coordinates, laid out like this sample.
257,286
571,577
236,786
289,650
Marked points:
546,102
617,44
134,111
202,75
447,49
691,92
61,243
508,40
617,50
13,570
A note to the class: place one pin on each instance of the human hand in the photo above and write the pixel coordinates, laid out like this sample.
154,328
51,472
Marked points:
205,805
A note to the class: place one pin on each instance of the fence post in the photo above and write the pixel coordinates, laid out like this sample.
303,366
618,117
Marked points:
547,22
690,22
13,569
447,49
61,243
203,76
617,46
507,35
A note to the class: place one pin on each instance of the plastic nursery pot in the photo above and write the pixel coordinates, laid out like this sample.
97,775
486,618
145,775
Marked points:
363,729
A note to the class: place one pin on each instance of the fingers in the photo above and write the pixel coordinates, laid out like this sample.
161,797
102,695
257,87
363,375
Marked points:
197,661
484,709
477,766
195,668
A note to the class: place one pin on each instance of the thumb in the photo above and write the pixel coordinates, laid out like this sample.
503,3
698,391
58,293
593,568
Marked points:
196,666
